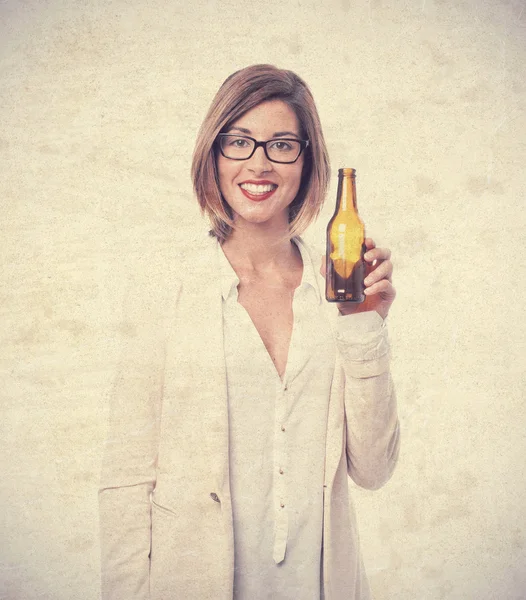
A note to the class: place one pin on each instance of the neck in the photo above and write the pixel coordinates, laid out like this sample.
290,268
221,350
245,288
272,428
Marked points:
258,249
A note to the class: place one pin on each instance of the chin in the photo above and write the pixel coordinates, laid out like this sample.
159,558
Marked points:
257,218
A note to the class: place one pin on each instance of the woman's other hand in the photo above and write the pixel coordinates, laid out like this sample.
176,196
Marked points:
379,290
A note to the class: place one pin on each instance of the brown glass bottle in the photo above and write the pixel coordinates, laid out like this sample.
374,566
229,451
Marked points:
345,245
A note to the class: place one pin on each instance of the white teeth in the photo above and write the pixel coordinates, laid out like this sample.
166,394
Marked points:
258,189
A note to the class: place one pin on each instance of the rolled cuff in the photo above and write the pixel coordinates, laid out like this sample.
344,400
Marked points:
363,343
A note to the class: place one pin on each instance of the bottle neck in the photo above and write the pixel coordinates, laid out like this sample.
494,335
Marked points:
346,196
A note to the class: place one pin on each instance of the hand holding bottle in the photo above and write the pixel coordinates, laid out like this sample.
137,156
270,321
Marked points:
379,290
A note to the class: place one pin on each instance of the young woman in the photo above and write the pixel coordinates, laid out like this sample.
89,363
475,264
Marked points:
243,401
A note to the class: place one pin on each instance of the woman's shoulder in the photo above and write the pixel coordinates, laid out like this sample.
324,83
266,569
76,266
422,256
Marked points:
311,252
313,248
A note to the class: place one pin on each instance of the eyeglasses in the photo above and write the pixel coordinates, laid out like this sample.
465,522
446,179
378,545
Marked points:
279,150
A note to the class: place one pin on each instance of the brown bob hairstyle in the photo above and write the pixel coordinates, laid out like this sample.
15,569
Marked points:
240,92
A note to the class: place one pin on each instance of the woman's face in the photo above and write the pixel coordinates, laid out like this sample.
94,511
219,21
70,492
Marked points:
257,190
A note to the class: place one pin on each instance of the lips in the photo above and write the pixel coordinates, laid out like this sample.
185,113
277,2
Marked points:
258,190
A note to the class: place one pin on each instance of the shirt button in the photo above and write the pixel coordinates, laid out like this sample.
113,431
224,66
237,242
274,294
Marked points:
282,428
282,505
281,471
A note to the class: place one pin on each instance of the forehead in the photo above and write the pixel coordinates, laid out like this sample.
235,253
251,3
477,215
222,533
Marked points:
268,118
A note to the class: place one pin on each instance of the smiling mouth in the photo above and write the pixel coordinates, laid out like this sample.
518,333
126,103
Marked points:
258,189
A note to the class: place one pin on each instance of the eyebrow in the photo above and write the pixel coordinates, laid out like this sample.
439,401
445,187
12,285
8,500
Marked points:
277,134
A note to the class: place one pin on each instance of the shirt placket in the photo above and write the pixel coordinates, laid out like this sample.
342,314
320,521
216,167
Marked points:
281,520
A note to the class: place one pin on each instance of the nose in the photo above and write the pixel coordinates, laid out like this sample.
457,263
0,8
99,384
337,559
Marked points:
258,162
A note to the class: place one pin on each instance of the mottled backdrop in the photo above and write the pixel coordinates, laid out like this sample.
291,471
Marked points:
100,102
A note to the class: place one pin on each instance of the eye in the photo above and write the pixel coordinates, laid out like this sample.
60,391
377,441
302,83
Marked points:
282,145
238,142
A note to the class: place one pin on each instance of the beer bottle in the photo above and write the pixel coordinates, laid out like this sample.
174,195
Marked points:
345,245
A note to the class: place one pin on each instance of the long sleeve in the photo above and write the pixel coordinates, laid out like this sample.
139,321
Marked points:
130,452
372,426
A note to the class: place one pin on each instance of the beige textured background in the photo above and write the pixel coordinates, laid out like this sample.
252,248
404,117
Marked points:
100,104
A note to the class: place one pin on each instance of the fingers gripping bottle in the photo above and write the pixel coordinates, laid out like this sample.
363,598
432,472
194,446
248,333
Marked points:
345,245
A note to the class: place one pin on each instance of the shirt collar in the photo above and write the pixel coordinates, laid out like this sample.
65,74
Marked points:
229,280
309,278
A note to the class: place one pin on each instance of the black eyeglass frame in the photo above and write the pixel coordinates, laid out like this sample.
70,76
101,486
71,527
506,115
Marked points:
303,144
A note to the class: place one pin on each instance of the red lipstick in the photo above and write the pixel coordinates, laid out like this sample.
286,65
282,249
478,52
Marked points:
258,197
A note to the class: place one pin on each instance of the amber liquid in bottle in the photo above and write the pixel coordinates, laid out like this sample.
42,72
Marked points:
345,245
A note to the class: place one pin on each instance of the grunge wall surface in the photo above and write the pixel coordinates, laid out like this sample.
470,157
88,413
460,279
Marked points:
100,103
